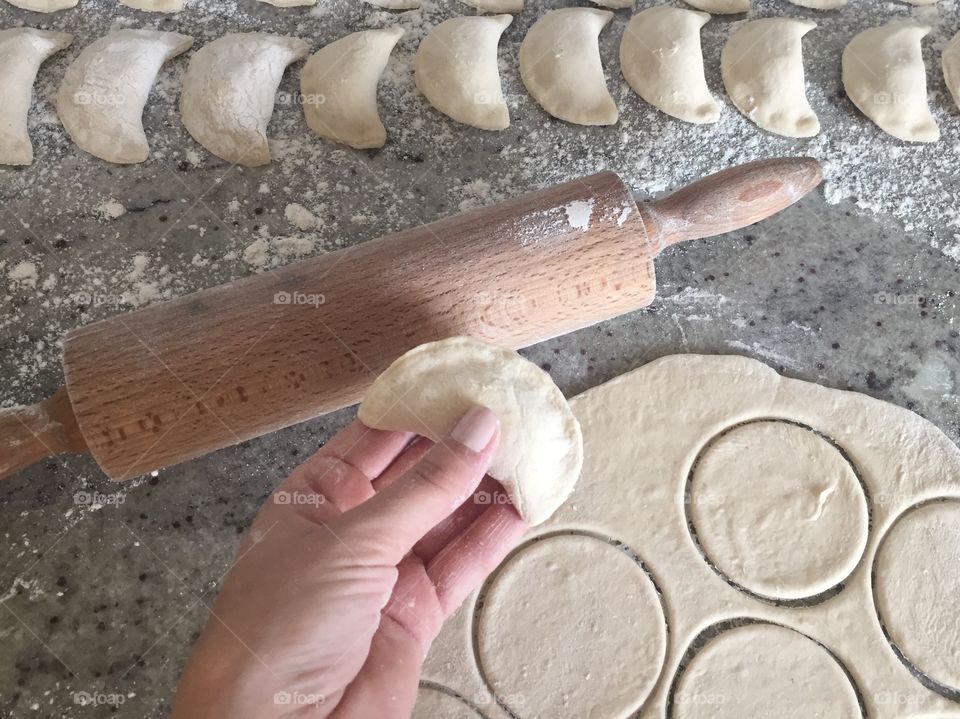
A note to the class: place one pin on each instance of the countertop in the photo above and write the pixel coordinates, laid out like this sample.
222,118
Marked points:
105,586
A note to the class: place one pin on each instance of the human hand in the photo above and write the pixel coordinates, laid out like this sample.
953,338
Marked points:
346,576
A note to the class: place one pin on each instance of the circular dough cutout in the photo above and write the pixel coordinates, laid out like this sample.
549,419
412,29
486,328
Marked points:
763,670
778,510
437,704
917,589
571,626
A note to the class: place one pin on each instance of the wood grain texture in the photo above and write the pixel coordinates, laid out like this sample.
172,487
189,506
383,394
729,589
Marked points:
731,199
182,378
185,377
28,434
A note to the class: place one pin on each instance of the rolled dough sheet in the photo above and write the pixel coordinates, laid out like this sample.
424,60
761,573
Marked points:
761,615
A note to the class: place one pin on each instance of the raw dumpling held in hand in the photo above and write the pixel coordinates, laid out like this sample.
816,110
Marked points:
430,387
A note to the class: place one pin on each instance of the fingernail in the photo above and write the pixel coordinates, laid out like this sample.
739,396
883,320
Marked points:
475,429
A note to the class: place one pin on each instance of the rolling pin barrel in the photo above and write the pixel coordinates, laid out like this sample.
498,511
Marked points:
175,380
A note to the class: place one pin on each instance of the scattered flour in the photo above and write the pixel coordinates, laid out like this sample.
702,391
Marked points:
578,214
110,210
24,273
301,218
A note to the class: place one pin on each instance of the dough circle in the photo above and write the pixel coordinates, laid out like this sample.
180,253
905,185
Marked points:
571,626
436,704
778,510
763,670
428,389
916,581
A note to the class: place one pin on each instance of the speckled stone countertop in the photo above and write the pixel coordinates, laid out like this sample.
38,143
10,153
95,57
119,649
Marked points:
104,587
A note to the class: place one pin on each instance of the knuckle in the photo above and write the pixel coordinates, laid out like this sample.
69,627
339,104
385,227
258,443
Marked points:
437,470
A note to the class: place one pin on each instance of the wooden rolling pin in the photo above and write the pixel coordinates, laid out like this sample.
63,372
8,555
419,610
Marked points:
181,378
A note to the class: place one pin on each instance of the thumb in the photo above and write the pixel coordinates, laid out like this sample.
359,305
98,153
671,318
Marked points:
388,524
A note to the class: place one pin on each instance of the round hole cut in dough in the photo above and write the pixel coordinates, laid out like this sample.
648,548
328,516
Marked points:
22,51
763,670
430,387
721,7
884,76
456,70
661,58
339,87
561,68
43,5
436,704
104,91
778,510
571,627
154,5
951,67
229,91
917,588
762,68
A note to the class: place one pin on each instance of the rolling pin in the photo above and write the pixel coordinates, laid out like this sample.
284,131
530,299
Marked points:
181,378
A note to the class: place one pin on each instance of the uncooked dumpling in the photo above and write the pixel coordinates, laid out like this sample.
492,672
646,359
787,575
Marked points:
951,67
884,75
561,67
229,91
660,57
762,67
22,51
495,6
456,70
154,5
43,5
103,93
820,4
614,4
339,87
395,4
430,387
721,7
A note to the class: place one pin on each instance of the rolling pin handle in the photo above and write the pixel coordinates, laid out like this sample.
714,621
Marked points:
29,434
730,199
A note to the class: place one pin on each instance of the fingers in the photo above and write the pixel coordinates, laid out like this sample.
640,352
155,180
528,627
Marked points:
370,450
338,476
465,562
462,517
388,524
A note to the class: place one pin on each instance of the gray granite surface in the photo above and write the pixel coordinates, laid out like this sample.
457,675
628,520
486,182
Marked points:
108,599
